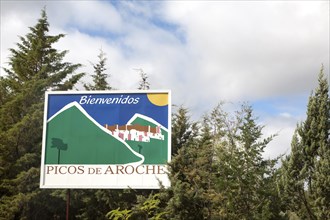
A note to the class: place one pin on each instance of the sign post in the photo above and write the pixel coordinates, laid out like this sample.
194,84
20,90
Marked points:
117,139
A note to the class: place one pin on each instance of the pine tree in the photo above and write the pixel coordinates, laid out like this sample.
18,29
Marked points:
143,84
34,67
99,77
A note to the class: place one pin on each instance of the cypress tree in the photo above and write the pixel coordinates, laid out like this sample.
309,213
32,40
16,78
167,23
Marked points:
308,163
291,184
315,140
321,197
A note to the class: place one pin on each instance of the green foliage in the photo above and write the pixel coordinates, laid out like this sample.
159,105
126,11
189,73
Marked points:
243,176
146,208
149,208
321,197
34,67
99,77
183,130
305,173
291,184
221,174
143,84
118,214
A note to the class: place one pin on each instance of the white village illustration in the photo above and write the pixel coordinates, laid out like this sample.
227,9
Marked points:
136,132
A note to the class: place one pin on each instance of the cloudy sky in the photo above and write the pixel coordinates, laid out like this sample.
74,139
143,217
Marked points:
267,53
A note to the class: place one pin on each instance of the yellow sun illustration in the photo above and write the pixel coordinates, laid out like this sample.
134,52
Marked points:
159,99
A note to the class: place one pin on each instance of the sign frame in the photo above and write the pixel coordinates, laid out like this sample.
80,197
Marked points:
87,110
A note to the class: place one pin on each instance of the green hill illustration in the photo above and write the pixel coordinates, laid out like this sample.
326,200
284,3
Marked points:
155,151
75,138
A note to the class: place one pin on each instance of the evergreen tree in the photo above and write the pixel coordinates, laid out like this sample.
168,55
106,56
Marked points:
143,84
221,173
308,163
321,198
291,184
244,177
190,178
183,130
314,135
193,175
254,167
4,93
99,77
34,67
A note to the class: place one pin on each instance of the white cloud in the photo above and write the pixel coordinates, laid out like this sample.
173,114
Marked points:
90,16
14,22
258,49
286,115
283,126
204,51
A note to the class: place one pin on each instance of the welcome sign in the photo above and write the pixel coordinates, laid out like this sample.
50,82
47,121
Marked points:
106,139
